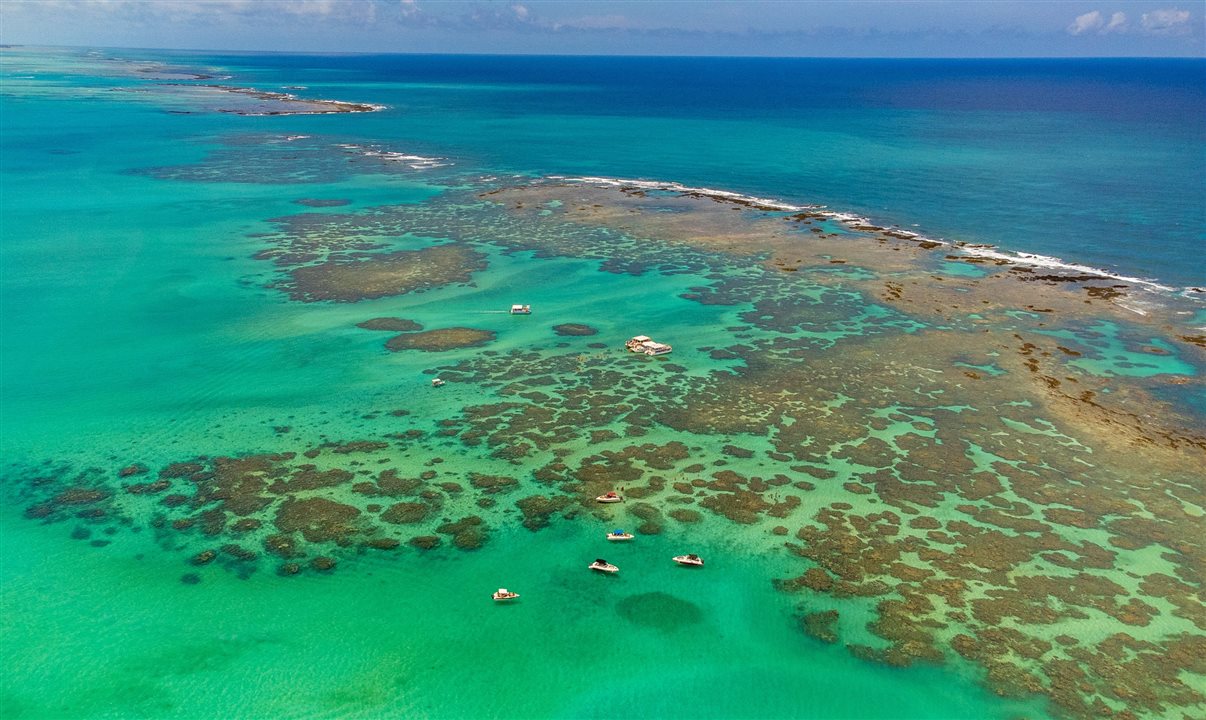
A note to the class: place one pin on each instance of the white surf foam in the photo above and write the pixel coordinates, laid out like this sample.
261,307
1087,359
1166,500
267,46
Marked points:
707,192
415,162
1054,263
856,221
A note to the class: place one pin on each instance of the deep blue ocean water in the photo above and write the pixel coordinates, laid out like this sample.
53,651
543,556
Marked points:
1101,162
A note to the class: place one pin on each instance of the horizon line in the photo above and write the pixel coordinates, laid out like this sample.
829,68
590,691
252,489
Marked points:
344,53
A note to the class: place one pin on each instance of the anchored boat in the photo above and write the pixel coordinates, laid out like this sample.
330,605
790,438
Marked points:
619,535
603,566
645,345
690,560
505,594
610,497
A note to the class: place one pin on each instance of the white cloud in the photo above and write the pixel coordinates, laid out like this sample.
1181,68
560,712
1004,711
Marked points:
597,22
1117,23
308,7
1095,23
520,11
1086,23
1166,22
216,9
180,8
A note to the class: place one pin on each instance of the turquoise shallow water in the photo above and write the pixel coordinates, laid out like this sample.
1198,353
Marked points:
139,326
421,638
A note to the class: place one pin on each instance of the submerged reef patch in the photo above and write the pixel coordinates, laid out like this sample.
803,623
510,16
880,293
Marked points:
441,340
231,510
277,159
659,611
575,330
390,324
323,202
366,276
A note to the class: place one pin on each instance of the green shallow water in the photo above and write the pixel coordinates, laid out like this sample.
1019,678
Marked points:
418,635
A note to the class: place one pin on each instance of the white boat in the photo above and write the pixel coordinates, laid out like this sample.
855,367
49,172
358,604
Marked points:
603,566
636,343
505,594
691,560
436,382
619,535
521,309
611,497
646,345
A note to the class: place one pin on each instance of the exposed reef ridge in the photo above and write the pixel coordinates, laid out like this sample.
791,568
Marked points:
268,102
1064,271
181,90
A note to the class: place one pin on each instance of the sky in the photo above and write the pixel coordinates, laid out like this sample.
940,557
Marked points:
805,28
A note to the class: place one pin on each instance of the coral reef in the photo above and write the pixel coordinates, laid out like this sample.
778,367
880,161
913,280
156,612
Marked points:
364,276
441,340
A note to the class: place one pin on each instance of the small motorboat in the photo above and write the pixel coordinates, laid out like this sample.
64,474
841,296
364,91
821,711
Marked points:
618,535
521,309
603,566
610,497
505,594
690,560
436,382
